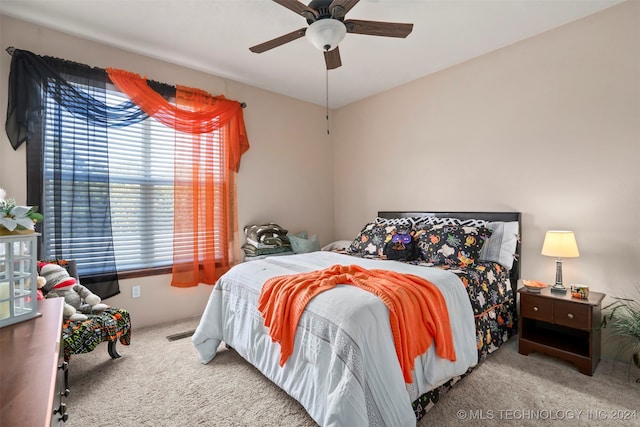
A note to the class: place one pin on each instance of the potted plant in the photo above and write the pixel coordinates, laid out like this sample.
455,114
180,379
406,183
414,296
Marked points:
16,219
623,318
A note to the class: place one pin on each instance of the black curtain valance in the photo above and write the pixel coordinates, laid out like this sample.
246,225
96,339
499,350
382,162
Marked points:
32,75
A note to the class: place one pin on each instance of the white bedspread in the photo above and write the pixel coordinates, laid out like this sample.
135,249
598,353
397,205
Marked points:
344,368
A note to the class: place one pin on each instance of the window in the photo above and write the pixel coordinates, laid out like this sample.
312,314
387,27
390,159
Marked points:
140,179
119,191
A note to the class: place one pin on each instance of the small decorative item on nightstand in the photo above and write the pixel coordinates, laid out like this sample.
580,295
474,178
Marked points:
560,244
534,285
580,291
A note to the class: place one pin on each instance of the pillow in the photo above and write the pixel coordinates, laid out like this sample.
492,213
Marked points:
433,220
371,239
303,234
339,245
405,221
301,245
501,246
452,245
265,234
426,221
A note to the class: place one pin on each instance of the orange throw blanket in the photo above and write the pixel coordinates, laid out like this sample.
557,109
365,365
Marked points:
414,304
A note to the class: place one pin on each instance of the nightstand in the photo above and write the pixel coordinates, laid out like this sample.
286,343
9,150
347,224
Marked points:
561,326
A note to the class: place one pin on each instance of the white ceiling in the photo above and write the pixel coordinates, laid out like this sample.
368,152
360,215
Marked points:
215,35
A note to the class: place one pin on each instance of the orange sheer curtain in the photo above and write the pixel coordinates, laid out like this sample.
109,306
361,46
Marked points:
210,139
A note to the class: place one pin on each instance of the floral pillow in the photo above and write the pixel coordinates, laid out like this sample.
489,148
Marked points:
371,239
452,245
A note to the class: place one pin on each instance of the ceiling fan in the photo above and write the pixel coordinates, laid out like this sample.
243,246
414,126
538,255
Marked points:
327,27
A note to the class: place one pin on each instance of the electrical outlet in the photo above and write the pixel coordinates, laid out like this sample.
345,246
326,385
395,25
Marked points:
135,292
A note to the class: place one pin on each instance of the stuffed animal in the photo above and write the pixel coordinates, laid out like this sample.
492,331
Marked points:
41,281
79,301
401,246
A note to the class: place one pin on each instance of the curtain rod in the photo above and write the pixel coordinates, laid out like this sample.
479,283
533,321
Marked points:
12,49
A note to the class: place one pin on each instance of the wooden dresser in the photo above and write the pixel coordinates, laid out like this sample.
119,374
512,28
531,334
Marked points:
30,356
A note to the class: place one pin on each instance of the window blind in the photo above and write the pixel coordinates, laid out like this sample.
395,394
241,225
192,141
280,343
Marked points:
140,181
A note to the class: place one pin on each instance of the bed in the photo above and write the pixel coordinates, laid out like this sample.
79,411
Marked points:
344,366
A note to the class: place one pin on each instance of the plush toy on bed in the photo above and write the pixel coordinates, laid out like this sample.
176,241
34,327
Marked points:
401,246
79,301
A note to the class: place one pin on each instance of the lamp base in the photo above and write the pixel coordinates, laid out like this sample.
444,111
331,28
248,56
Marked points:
558,287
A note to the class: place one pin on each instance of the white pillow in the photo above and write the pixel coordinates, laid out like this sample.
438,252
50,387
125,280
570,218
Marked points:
501,246
338,244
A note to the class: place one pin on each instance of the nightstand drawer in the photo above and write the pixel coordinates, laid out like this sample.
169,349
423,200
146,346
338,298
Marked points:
537,308
572,315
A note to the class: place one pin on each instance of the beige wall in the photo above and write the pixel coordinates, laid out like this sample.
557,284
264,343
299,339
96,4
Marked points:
549,127
285,177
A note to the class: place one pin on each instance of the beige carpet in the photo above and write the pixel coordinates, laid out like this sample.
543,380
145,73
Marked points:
158,382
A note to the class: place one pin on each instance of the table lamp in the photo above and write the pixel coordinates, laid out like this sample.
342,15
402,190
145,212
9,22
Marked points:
560,244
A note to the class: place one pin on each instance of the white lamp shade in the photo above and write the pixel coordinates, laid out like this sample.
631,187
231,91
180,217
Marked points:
325,34
560,244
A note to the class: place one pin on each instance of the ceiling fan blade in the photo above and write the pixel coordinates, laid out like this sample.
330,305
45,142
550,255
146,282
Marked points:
332,59
278,41
299,8
374,28
345,6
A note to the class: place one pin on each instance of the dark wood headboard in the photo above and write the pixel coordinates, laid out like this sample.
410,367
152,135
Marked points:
488,216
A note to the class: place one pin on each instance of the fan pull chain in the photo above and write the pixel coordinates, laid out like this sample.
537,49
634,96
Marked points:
327,101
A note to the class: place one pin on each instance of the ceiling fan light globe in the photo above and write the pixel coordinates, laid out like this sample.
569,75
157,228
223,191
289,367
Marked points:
326,34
